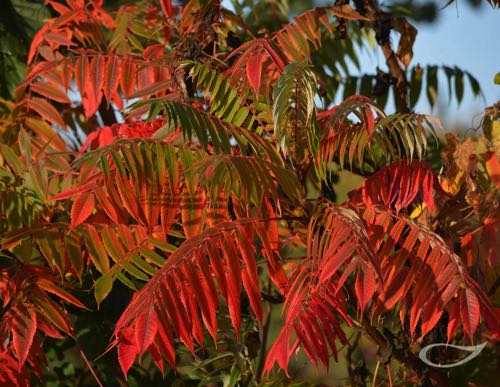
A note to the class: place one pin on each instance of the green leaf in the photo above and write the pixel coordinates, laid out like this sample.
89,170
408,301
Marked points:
415,85
474,84
459,84
13,161
432,85
294,109
102,287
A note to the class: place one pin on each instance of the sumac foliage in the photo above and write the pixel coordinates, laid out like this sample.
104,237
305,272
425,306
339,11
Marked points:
169,174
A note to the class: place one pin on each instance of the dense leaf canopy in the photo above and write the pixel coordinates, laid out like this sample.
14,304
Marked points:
169,178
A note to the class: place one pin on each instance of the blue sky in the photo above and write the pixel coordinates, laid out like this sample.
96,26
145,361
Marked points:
468,38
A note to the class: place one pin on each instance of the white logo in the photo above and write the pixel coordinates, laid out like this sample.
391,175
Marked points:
475,349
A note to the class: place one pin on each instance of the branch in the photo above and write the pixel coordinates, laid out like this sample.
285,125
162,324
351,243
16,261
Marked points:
404,355
383,22
357,373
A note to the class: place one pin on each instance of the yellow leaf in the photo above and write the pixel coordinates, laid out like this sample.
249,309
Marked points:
418,210
493,169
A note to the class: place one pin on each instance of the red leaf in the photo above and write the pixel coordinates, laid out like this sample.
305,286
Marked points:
91,97
146,327
66,73
192,205
157,356
127,351
233,279
369,120
128,77
82,208
112,77
254,70
75,190
23,332
208,312
145,76
165,337
398,185
469,311
454,319
166,7
433,311
365,286
54,289
97,76
37,39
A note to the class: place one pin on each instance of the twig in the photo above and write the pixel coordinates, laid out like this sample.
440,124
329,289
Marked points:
374,381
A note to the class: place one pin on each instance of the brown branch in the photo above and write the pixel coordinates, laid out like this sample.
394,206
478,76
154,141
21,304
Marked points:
404,355
357,373
383,22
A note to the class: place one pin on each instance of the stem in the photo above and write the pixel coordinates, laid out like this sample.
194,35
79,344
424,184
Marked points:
404,356
87,362
374,381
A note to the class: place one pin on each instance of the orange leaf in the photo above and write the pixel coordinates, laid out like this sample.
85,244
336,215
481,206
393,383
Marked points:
82,73
112,77
46,110
82,208
128,77
493,168
97,76
50,91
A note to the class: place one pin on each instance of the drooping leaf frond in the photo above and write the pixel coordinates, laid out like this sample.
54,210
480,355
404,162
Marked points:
10,373
425,83
207,203
125,253
358,125
183,296
211,132
61,250
135,178
294,117
422,273
28,308
247,177
258,63
306,30
225,101
336,239
96,77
